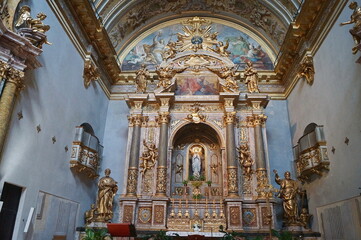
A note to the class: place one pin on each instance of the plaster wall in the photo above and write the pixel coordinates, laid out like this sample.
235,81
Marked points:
333,101
279,146
55,99
115,147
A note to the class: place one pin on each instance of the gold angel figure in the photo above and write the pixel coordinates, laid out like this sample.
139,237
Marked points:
245,161
228,74
251,78
141,78
149,157
356,20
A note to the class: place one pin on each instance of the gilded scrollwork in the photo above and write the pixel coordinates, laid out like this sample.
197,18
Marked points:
262,182
158,214
128,214
232,181
161,179
132,181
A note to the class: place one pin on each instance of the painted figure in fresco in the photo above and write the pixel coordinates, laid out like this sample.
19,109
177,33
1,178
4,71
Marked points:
158,47
141,78
107,189
196,152
288,193
251,78
356,20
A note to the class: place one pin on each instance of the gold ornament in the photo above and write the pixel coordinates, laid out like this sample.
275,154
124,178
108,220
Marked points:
107,189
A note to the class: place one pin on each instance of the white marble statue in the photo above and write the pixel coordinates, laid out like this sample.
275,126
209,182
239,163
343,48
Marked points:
196,161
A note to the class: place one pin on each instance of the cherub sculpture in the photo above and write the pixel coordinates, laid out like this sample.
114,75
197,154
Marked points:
149,157
245,161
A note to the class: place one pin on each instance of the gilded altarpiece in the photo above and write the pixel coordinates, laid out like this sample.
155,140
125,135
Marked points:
194,122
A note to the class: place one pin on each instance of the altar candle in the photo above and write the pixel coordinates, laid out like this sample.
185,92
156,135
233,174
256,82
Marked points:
187,203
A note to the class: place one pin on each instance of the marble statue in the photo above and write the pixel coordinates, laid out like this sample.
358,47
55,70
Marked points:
288,193
107,189
356,20
251,78
196,161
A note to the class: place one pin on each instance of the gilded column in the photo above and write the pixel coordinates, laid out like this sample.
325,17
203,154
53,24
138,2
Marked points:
229,119
13,84
135,121
162,157
257,121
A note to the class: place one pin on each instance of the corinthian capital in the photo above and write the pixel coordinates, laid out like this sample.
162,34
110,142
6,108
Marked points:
229,117
164,117
135,120
256,119
12,75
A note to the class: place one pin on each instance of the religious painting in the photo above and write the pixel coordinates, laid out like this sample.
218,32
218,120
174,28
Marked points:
150,49
197,85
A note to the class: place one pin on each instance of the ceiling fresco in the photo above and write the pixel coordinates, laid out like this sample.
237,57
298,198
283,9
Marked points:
241,46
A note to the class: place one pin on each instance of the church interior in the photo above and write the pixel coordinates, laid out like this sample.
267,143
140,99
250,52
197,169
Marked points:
207,118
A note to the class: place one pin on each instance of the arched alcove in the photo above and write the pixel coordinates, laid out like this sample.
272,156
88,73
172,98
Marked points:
185,140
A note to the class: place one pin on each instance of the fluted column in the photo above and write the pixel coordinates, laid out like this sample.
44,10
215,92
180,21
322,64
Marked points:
13,83
257,121
135,121
229,119
162,156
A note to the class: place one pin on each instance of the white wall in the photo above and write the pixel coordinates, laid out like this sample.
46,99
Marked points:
56,99
334,101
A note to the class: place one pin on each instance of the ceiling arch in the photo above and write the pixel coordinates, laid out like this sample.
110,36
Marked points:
124,20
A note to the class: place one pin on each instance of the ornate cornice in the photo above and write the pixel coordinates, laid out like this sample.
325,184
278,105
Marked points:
303,39
97,35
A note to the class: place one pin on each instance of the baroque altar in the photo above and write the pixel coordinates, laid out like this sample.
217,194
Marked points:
196,156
